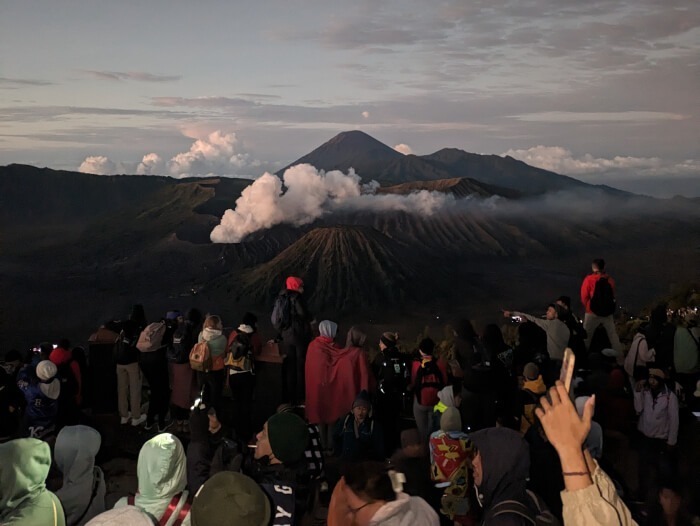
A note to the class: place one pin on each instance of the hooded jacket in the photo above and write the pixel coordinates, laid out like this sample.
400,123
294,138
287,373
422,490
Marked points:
447,399
83,491
334,377
658,414
588,287
162,474
24,499
505,461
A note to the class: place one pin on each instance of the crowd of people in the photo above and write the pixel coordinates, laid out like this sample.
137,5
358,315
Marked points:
476,430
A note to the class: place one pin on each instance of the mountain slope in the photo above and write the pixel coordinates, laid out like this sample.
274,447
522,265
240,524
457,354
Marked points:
344,268
457,186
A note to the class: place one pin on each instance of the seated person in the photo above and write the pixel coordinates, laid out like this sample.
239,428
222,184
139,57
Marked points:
83,490
162,477
41,390
24,499
358,436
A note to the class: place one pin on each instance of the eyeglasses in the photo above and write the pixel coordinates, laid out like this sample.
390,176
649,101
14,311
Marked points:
355,511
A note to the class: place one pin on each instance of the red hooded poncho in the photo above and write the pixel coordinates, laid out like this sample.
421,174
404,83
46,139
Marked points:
334,377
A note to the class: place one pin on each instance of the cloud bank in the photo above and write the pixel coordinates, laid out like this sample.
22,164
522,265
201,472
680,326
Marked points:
215,154
310,194
403,148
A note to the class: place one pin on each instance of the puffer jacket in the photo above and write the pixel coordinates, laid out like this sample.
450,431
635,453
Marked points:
405,511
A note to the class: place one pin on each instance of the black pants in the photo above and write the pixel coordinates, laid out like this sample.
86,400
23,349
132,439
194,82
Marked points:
242,386
154,366
293,366
211,385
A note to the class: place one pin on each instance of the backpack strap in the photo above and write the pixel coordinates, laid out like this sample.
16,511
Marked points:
131,500
170,510
512,507
183,514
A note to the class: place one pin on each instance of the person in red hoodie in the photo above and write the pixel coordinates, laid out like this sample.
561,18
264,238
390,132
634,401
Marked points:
71,383
594,316
428,377
334,376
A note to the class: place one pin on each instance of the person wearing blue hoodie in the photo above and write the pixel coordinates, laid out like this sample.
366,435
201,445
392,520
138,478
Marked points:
83,490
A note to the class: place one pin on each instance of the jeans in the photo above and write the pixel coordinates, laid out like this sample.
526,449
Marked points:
424,419
591,323
129,390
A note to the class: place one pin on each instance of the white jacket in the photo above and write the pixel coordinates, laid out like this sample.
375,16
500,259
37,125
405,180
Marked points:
658,417
405,511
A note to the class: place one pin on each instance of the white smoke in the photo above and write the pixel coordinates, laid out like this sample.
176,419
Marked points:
365,115
98,165
309,194
403,148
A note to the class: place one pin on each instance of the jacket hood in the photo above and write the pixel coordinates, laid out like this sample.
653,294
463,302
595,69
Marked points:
74,453
535,386
25,466
505,461
356,338
328,328
405,511
161,468
446,396
209,334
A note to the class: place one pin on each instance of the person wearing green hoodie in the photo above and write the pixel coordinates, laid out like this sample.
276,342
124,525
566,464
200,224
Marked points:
24,499
83,491
162,477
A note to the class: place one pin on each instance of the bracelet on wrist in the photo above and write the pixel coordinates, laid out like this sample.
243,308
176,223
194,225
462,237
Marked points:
575,473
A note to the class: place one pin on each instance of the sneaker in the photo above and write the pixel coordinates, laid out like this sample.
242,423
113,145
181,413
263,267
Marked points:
138,421
150,426
125,419
162,428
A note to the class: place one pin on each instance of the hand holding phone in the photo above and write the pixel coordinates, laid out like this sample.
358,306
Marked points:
567,368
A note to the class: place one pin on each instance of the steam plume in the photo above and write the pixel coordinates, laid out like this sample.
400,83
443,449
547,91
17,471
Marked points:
309,195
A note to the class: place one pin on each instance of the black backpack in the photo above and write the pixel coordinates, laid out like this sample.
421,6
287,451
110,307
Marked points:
126,351
69,383
183,341
603,299
393,375
282,312
428,375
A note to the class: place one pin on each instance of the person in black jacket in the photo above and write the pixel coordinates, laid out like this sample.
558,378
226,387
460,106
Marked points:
295,335
128,371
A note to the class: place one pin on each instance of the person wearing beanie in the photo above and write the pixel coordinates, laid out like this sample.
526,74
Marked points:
449,460
127,515
448,398
392,373
292,321
24,499
532,389
41,390
241,377
162,478
83,490
233,499
428,377
359,436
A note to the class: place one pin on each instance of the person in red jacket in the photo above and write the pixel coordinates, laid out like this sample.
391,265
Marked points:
71,383
593,320
334,377
428,377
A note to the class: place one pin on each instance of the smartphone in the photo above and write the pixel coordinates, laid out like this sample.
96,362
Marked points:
567,368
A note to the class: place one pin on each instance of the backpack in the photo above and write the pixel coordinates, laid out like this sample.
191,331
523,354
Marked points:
174,502
200,357
183,340
603,299
540,516
239,353
428,375
126,351
282,312
393,374
151,337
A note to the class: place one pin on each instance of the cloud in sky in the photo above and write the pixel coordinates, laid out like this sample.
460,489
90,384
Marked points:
138,76
403,148
561,160
217,153
14,83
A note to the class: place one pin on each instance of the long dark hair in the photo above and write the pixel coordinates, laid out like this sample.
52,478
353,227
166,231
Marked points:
370,481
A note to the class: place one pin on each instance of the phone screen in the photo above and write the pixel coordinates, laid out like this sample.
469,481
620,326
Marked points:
567,368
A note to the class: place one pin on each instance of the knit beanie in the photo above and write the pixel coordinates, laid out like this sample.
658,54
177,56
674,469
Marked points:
294,283
389,339
362,400
531,371
230,498
130,515
451,420
288,436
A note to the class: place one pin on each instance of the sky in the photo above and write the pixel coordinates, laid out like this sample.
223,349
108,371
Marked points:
604,91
